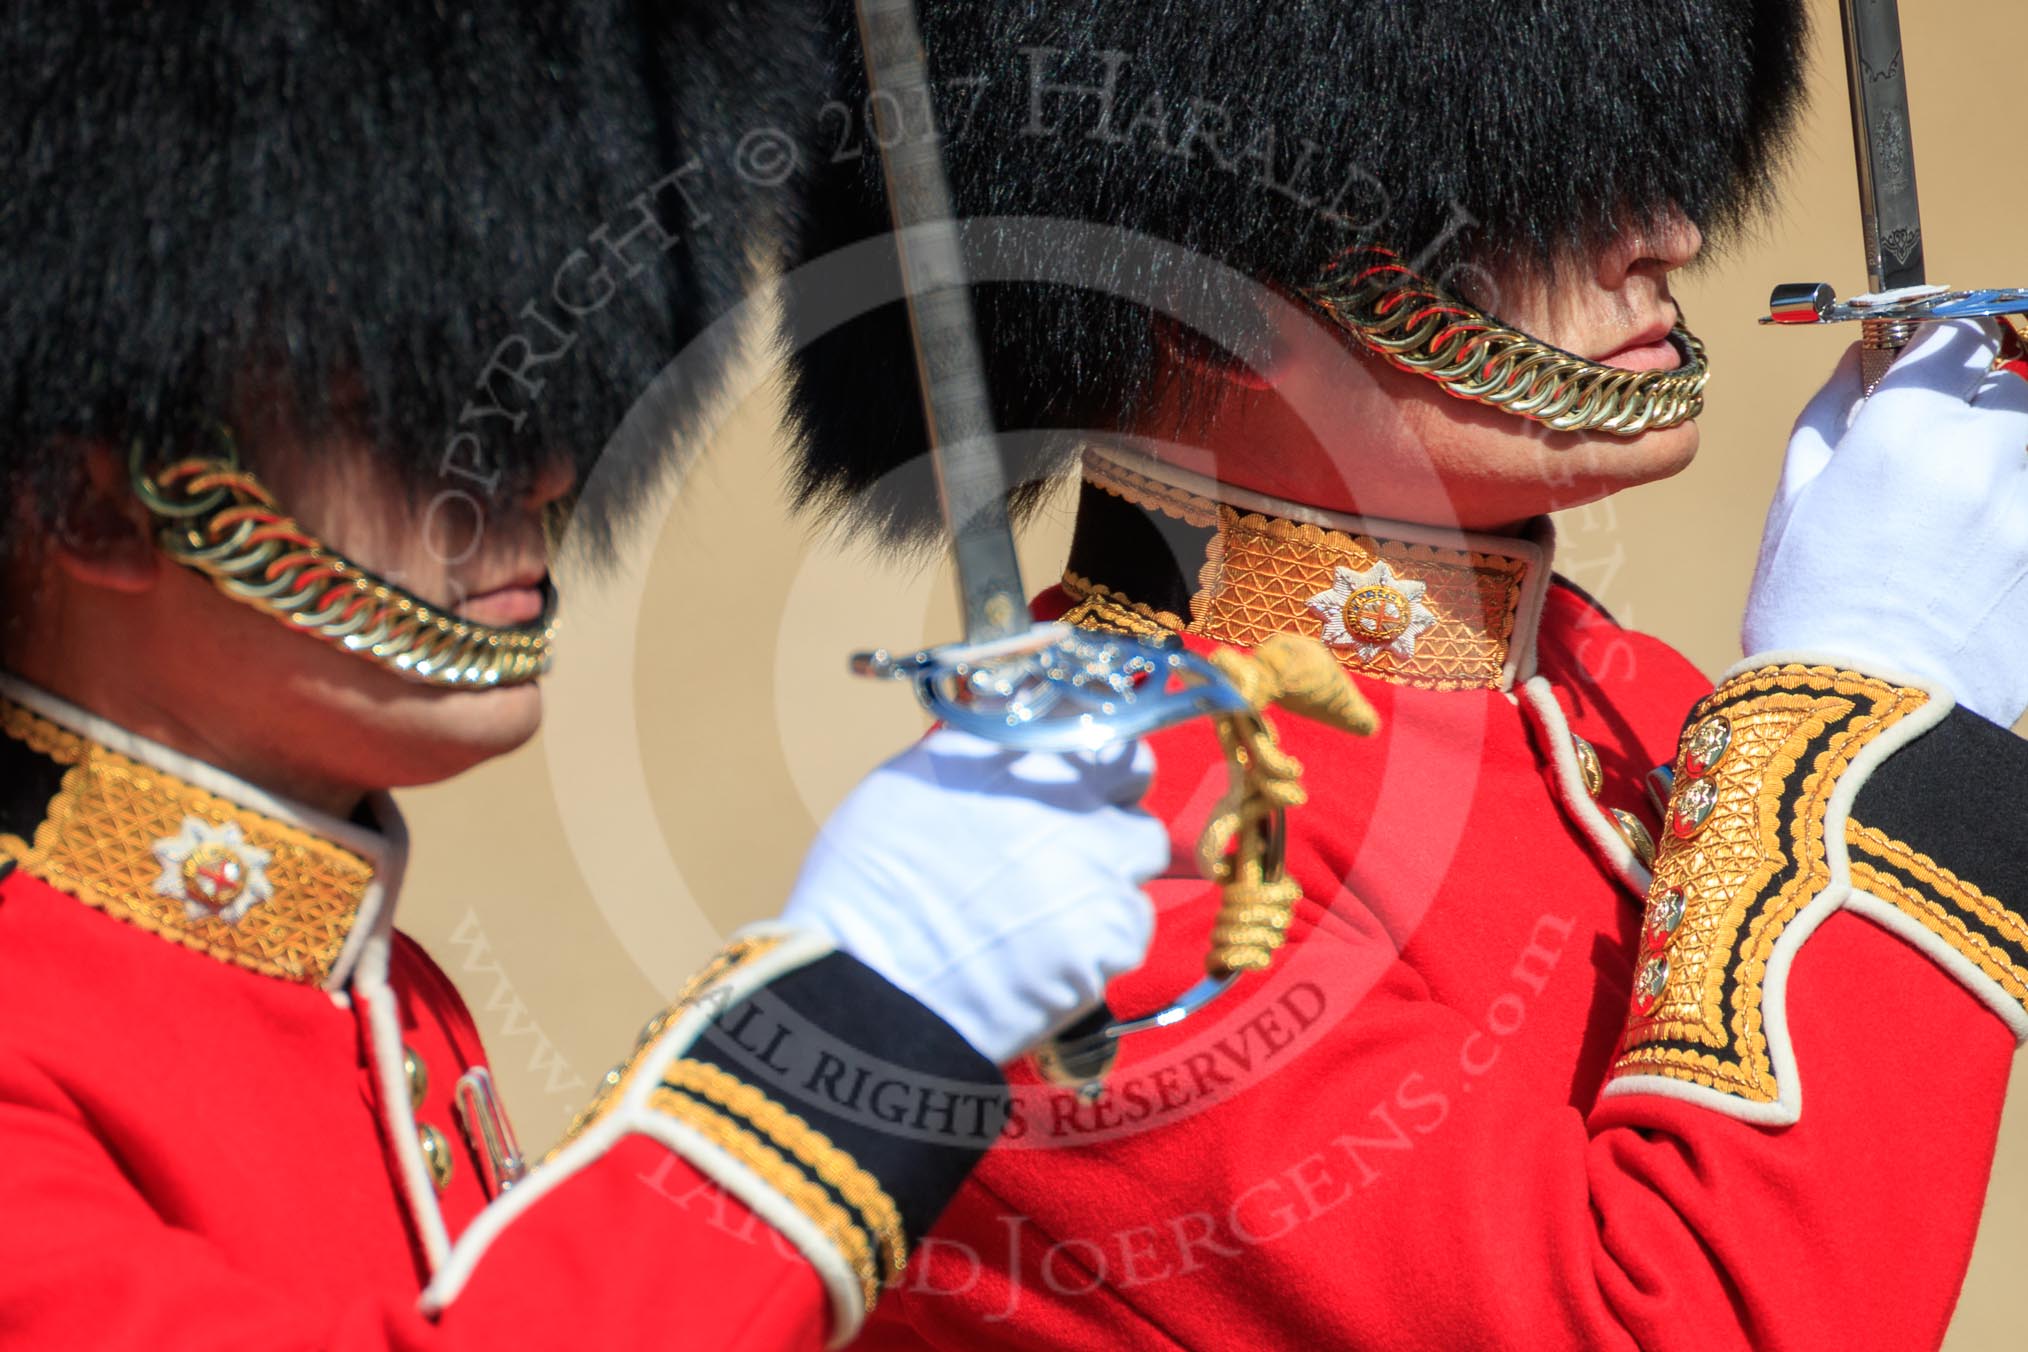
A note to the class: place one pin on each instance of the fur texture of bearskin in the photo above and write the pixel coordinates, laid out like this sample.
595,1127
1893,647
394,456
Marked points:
1262,138
351,209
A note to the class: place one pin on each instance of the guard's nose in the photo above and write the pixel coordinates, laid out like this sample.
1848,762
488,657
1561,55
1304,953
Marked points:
549,483
1670,243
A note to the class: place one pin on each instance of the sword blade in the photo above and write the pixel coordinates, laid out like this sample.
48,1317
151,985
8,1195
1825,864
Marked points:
971,478
1888,209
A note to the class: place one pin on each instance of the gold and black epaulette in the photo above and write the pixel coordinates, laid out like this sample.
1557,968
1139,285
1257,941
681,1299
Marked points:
1802,789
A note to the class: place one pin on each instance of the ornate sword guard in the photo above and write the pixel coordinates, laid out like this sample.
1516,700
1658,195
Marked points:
1064,689
1056,688
1889,319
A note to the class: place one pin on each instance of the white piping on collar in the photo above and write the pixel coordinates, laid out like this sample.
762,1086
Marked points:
384,849
1535,551
1584,811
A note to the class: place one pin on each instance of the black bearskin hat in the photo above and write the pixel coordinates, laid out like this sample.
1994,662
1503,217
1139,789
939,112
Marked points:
368,205
1267,138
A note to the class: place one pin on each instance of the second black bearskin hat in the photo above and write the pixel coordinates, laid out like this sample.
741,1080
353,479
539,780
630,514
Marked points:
1266,138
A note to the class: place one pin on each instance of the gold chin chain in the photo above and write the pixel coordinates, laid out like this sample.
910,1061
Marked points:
218,519
1419,328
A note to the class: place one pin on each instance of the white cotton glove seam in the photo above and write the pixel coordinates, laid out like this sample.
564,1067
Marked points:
2006,594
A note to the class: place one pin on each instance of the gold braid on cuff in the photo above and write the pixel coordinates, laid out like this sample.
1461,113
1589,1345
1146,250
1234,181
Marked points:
215,517
810,1147
1418,327
786,1178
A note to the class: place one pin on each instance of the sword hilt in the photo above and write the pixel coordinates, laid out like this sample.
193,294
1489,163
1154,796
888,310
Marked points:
1057,688
1888,320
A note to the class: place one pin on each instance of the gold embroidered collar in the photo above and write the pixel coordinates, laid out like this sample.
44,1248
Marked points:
186,852
1443,610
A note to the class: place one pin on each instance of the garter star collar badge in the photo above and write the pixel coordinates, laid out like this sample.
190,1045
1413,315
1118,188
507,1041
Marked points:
213,871
1374,612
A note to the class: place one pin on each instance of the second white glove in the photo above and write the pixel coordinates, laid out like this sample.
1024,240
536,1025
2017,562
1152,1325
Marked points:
1000,888
1898,538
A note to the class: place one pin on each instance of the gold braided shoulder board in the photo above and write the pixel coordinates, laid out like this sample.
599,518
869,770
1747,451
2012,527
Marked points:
1759,845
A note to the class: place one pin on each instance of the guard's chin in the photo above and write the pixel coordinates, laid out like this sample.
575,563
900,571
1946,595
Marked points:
1603,466
467,728
425,735
1672,450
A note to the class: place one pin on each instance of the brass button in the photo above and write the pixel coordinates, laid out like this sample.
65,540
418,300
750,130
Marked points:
1635,834
418,1076
436,1155
1665,913
1692,808
1588,766
1706,745
1649,984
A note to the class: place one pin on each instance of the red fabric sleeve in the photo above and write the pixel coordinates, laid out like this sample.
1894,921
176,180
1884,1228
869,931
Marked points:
636,1250
1380,1191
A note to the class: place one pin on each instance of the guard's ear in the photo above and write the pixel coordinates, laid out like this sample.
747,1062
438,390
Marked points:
101,534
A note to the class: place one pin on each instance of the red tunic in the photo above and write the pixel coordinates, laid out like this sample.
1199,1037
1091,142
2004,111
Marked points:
210,1135
1395,1138
200,1156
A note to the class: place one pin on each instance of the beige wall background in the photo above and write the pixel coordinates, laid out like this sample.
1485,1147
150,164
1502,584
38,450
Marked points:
694,740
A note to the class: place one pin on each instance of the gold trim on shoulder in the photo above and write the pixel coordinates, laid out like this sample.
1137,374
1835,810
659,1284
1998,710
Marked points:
1743,852
1978,927
175,860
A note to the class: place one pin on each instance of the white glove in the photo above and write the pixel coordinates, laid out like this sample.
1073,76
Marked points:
1001,889
1898,539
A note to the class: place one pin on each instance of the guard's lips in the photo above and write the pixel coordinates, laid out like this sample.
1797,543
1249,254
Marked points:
517,600
1651,349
